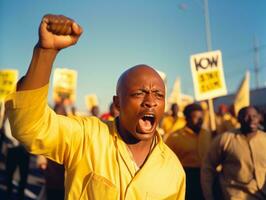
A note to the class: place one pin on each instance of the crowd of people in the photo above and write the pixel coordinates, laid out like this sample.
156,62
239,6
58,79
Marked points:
136,150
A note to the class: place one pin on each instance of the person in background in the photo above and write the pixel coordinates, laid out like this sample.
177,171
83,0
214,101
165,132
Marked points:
120,159
241,153
206,116
234,115
111,115
190,144
2,129
224,120
95,111
173,122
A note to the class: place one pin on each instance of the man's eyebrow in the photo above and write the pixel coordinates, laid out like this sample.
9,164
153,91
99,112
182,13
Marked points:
157,90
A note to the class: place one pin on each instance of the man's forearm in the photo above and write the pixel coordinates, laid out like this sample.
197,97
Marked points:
39,71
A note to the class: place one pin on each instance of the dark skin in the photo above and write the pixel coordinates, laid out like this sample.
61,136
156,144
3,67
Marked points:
248,118
140,90
95,111
195,120
174,109
140,102
56,32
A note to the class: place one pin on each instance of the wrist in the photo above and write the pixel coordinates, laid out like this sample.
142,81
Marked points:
39,47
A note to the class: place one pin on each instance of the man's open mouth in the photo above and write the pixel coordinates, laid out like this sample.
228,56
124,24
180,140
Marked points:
146,123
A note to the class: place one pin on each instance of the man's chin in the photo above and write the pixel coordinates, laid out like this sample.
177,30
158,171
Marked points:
144,135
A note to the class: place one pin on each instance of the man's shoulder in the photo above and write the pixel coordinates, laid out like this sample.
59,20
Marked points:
262,134
94,125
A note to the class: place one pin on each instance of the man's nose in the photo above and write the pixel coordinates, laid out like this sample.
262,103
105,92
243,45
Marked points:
149,101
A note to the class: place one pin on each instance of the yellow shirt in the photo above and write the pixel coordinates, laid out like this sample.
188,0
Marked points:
97,162
189,147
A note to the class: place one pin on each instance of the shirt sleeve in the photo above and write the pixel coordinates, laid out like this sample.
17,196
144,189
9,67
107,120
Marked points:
182,189
208,169
41,130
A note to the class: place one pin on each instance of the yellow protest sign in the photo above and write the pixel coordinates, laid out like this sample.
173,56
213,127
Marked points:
242,96
8,81
64,85
208,75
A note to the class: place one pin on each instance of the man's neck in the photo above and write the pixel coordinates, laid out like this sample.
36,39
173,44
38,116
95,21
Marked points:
140,149
249,134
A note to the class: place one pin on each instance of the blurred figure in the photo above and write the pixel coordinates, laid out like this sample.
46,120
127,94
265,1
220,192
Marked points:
95,111
111,115
53,172
17,156
73,111
206,116
2,129
234,120
224,120
171,123
190,144
242,155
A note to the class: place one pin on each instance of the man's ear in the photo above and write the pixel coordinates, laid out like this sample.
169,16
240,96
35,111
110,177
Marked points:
116,102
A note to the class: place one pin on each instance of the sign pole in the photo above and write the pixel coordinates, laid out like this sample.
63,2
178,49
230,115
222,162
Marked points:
209,46
208,78
212,115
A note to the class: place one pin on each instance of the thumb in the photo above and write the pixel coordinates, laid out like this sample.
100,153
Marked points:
77,29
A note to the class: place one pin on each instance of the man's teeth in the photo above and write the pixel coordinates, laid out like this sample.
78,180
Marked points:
148,115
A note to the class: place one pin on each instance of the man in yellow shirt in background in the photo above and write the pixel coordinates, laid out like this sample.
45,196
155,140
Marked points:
121,159
173,122
190,144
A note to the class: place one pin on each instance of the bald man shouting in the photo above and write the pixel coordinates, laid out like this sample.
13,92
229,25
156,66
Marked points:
121,159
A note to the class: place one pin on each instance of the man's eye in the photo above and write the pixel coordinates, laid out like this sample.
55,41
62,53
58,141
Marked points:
159,95
137,94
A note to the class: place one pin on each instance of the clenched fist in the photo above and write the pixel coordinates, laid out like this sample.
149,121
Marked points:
58,32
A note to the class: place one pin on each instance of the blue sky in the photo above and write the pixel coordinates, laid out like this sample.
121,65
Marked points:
119,34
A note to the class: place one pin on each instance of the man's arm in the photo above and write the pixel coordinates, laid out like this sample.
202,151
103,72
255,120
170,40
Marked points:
33,123
55,33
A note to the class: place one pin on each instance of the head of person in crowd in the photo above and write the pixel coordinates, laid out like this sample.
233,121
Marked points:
194,117
174,110
60,109
113,110
73,110
223,109
95,111
248,117
140,100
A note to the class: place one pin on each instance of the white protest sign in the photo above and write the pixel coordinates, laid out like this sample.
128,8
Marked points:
208,75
